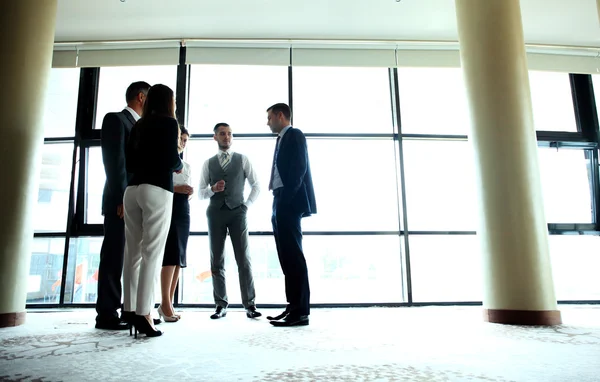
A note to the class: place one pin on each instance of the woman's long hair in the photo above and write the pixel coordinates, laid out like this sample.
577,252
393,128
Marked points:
159,101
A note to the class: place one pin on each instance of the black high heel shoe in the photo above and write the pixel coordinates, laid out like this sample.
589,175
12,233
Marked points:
128,318
140,324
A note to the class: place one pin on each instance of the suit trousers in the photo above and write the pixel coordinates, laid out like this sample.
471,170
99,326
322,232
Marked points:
148,211
111,267
220,221
287,230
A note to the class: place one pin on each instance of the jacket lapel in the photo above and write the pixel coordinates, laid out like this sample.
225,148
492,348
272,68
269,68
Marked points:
129,117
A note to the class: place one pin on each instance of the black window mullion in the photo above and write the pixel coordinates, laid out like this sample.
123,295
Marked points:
395,93
181,93
586,117
86,108
86,118
584,102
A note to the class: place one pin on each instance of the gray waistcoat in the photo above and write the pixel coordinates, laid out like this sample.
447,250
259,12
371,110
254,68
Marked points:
233,195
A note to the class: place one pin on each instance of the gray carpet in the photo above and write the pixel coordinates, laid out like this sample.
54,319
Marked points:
366,344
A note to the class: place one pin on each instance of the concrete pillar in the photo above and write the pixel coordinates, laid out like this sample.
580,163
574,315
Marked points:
26,40
518,286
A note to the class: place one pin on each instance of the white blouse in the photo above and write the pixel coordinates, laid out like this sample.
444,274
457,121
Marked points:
185,178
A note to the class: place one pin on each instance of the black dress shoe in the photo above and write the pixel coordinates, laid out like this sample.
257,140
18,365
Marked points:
282,315
251,312
115,324
220,312
292,321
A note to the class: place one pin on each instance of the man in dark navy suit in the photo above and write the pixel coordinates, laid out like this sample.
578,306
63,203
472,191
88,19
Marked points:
115,133
293,199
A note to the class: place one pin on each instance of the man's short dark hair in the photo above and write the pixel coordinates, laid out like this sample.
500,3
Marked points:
281,107
220,124
136,88
184,130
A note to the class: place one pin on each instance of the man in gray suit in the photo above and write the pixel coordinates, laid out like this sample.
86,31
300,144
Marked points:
222,180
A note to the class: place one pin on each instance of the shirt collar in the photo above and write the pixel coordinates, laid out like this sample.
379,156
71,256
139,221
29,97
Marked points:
229,152
135,115
284,130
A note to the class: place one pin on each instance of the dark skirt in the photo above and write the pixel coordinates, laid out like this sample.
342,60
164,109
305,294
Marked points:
175,250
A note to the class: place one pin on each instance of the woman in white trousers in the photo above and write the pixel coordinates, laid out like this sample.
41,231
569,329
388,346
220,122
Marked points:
151,158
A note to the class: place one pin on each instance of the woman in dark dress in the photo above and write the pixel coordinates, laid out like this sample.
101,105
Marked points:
175,251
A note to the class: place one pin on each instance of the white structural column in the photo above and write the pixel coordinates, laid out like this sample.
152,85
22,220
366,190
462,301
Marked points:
518,286
26,40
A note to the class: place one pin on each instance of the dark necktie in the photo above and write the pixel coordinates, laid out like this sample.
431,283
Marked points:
274,163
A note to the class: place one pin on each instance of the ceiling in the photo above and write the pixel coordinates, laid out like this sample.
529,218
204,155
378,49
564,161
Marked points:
561,22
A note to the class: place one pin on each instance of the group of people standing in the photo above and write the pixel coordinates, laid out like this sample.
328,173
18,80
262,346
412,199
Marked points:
147,217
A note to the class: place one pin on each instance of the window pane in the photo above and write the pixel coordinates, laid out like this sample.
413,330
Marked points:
115,80
96,177
343,172
445,268
440,186
268,279
237,95
82,271
45,270
433,101
354,269
342,100
552,101
565,185
355,185
50,213
575,265
338,269
60,110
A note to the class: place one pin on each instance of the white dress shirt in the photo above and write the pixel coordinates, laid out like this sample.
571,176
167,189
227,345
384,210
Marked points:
277,182
185,177
205,191
133,113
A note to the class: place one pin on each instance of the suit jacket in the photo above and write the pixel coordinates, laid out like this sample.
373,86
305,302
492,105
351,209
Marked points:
294,169
115,134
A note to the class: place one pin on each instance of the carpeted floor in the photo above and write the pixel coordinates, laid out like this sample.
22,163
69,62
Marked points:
366,344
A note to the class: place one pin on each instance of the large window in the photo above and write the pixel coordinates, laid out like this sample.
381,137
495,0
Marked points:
342,269
566,188
52,207
440,187
237,95
61,103
45,270
96,177
342,100
552,102
445,268
115,80
575,265
369,159
82,270
433,101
